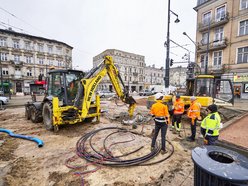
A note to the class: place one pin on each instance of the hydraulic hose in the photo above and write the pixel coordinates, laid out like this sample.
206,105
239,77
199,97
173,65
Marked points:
10,133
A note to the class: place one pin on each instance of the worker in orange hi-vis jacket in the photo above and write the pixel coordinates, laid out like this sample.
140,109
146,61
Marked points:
161,114
178,110
193,114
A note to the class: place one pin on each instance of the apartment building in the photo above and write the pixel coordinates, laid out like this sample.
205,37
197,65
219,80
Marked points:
178,76
153,76
131,67
26,59
222,38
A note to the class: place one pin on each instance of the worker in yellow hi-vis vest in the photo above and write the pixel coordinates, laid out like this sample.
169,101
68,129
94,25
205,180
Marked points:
211,125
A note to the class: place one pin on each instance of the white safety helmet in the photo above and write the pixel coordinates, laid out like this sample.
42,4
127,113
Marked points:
192,98
158,95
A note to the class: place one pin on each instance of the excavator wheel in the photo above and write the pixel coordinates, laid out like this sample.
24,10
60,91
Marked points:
35,114
27,113
47,114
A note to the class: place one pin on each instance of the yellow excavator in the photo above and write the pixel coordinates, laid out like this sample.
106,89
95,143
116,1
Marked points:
208,89
69,93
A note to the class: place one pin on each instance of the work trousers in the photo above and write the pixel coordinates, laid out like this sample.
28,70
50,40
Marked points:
163,126
211,140
193,129
177,119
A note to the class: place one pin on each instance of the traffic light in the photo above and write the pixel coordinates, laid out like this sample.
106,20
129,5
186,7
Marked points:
171,62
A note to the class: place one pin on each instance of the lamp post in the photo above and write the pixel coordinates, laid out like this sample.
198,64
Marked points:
167,61
1,70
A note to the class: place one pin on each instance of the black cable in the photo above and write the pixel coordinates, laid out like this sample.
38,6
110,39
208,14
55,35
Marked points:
100,158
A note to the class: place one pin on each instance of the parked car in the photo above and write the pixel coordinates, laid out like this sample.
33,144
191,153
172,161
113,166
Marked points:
146,93
3,100
106,93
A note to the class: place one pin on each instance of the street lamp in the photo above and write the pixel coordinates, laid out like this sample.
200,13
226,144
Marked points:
167,61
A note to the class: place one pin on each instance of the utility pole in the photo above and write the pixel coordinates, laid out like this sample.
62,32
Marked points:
206,62
1,70
167,61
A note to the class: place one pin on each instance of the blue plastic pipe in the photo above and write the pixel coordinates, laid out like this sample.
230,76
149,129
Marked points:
37,140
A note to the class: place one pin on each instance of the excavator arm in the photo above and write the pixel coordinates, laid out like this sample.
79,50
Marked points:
94,77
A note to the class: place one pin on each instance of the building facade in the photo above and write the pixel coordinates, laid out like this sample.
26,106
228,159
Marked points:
131,67
222,38
153,76
178,76
26,59
135,74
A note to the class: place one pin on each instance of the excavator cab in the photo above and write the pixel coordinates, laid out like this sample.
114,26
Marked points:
221,90
64,85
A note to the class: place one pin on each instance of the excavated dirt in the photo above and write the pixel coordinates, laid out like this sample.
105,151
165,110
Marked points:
23,163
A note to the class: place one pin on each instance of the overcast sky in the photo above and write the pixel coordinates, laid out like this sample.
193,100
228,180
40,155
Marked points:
92,26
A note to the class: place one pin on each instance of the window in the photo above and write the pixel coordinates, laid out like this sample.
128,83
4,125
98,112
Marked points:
5,71
220,13
41,61
29,59
204,59
217,58
50,49
29,72
16,58
206,18
242,55
41,71
204,40
16,44
50,62
27,46
59,63
2,41
40,48
59,50
243,28
3,56
243,4
219,34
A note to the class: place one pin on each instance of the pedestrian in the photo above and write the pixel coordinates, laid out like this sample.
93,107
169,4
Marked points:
211,125
193,113
177,114
161,118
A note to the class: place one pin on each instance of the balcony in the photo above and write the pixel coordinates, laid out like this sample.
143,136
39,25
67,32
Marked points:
202,27
214,45
135,82
17,50
217,69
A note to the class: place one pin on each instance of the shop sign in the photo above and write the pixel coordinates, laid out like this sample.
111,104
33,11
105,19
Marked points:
40,82
240,78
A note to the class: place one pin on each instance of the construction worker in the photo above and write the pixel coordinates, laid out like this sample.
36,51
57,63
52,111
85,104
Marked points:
193,114
161,114
210,125
177,113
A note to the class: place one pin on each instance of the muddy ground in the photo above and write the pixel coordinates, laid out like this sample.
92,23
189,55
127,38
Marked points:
23,163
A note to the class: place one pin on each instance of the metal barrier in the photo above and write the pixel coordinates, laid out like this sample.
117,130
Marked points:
217,166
